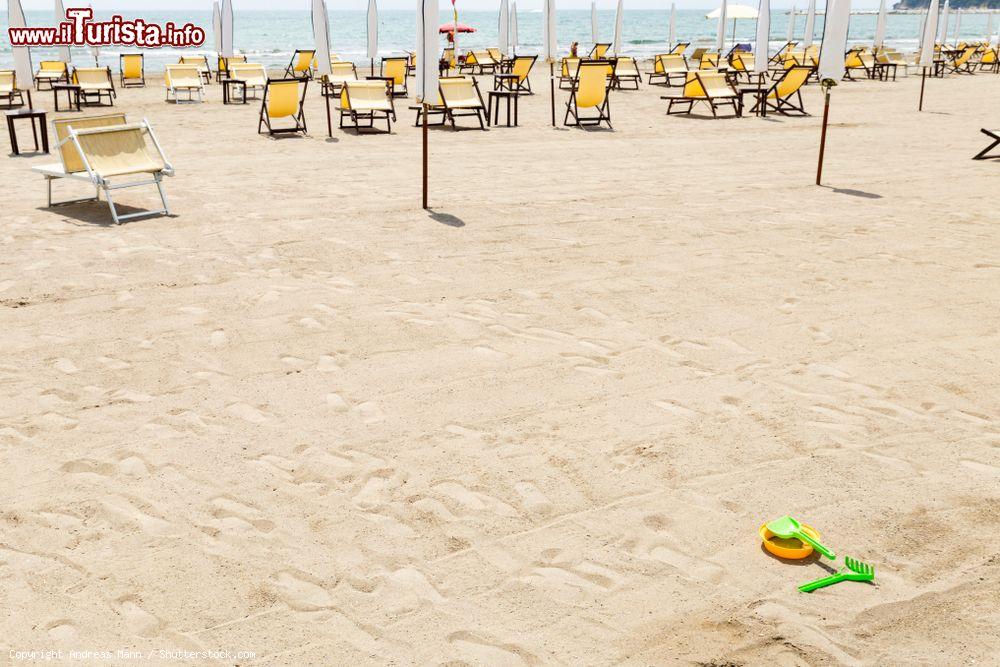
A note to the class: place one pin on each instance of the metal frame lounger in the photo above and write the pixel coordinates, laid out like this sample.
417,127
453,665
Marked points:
984,154
183,78
368,100
591,90
460,96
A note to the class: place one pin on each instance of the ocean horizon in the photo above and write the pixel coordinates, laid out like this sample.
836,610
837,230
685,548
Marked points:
270,37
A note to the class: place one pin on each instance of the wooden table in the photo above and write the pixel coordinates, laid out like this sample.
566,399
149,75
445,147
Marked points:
493,106
227,97
34,116
72,95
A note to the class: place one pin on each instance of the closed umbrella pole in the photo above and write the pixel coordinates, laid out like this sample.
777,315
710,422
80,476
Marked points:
943,37
831,63
720,33
672,32
503,25
64,52
619,17
217,26
807,38
513,28
549,47
22,56
926,60
227,28
321,41
880,26
594,33
791,25
958,25
760,61
372,33
427,71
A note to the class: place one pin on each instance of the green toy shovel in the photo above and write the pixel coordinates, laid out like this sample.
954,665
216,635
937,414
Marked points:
788,527
855,571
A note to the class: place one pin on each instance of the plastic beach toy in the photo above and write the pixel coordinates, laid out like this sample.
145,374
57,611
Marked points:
788,527
855,571
791,548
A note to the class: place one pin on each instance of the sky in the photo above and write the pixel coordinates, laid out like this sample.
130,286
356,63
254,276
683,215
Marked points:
136,6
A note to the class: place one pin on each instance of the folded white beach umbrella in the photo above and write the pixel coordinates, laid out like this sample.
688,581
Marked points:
958,24
943,35
720,34
791,25
22,56
549,38
321,36
880,26
513,27
927,38
372,31
831,52
672,32
619,17
503,27
594,32
427,51
807,38
217,26
64,54
989,28
763,36
227,28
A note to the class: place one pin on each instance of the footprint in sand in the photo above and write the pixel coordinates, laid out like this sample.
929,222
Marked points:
788,305
337,402
300,594
247,412
478,651
62,630
138,620
532,499
65,366
218,338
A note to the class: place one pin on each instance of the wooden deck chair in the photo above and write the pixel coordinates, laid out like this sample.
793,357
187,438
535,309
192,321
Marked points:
253,76
437,109
50,72
460,96
990,61
857,61
591,91
102,149
626,70
340,73
496,55
742,63
301,64
697,54
9,89
785,94
521,67
884,66
679,49
204,70
95,82
567,72
779,57
667,69
708,87
369,101
283,99
599,51
131,70
222,70
469,63
183,79
411,63
448,55
962,63
994,136
709,60
394,70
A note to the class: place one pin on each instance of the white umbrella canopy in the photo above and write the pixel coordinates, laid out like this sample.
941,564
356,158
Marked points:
807,38
372,30
617,41
734,12
503,26
880,26
321,36
720,36
593,23
943,37
217,26
790,37
227,28
989,28
549,38
958,25
927,38
763,37
64,53
22,56
513,27
831,53
672,32
427,51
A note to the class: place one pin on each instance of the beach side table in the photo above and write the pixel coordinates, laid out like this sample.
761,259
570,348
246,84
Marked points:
760,93
493,106
35,116
505,81
72,96
227,96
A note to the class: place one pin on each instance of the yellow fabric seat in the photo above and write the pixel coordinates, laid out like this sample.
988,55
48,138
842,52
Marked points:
131,70
367,101
590,92
183,79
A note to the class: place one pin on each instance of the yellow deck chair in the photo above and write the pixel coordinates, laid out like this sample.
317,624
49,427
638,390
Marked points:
283,99
131,70
668,67
340,73
95,82
567,72
785,94
367,101
779,57
394,70
626,71
599,51
521,67
963,63
990,61
496,55
704,86
102,149
460,96
184,79
222,69
709,60
51,71
253,76
591,91
679,49
9,89
204,70
301,64
448,55
696,55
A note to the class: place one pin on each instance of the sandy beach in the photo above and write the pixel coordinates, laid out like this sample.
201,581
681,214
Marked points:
539,425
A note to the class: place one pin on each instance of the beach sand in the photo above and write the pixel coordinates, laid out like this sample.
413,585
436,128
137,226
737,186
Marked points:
540,424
